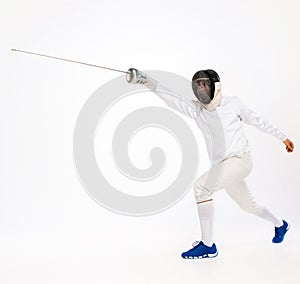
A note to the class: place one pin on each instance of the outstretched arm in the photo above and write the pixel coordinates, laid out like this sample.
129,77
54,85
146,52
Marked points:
252,118
178,103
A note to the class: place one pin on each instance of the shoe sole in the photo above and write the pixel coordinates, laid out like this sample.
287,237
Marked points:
201,256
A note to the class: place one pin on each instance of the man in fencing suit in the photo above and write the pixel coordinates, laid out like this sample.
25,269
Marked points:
220,119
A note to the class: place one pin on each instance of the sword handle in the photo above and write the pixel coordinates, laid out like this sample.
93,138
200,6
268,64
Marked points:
135,76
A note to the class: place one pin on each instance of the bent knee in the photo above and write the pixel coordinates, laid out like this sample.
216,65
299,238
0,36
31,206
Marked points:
201,193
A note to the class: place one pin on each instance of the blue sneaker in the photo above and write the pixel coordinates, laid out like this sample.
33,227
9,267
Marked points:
200,250
280,232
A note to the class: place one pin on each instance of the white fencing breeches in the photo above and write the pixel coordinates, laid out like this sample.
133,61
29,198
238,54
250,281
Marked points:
229,175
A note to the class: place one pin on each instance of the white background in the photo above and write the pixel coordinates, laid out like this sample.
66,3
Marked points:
51,231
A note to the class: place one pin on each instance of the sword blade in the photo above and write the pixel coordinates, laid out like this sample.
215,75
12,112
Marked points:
69,60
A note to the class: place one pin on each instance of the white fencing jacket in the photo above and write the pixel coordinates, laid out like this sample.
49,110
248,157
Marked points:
222,128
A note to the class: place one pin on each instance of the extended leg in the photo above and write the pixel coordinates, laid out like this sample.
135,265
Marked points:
241,194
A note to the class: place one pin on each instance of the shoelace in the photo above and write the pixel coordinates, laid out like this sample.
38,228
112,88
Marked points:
195,243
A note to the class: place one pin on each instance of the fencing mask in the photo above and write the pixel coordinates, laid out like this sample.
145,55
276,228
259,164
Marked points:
206,87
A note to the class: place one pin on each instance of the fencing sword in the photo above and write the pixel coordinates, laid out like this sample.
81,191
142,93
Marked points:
133,75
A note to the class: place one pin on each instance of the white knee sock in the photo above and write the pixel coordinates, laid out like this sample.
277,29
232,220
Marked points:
206,216
266,214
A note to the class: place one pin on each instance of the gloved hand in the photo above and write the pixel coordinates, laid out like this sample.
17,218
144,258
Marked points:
135,76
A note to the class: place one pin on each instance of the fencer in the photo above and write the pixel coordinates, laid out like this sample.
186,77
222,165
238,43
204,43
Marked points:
220,118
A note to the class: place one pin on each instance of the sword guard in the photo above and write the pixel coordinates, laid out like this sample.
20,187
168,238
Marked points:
135,76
